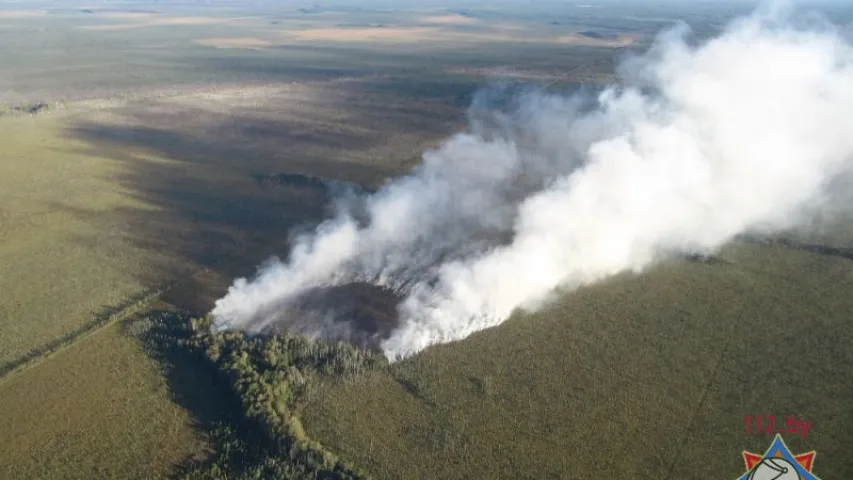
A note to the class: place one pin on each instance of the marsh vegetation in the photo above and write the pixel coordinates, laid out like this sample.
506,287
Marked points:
152,152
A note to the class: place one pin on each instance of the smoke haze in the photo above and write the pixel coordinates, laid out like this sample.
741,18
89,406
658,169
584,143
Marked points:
748,132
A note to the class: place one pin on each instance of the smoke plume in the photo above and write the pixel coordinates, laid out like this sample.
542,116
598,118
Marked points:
697,144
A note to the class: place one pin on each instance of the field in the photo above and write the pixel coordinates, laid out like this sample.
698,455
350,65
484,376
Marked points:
627,379
150,153
110,193
101,217
100,409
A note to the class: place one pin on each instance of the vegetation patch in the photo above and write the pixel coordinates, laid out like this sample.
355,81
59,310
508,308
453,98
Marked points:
33,109
271,376
98,409
107,316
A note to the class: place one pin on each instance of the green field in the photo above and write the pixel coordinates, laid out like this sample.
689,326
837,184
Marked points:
98,215
136,193
64,258
98,410
630,378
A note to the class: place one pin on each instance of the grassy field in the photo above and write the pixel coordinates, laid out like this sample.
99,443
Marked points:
645,376
141,180
103,201
64,260
98,410
62,52
118,188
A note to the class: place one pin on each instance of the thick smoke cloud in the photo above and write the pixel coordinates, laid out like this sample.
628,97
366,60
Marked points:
748,132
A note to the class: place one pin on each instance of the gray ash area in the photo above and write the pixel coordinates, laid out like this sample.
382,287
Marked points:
359,313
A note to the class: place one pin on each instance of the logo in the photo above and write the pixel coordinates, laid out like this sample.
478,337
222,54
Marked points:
778,463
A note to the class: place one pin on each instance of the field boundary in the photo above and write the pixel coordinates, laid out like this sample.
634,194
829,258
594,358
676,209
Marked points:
107,317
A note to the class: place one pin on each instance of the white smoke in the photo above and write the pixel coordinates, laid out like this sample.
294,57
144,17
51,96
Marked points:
747,132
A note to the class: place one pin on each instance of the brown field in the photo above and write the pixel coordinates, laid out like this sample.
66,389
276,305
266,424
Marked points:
446,35
123,15
386,34
454,19
100,409
248,43
584,41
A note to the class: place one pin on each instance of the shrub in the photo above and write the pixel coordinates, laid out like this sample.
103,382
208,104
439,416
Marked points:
270,374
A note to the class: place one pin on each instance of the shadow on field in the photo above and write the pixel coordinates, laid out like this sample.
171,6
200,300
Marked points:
204,206
218,183
192,379
197,165
197,386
